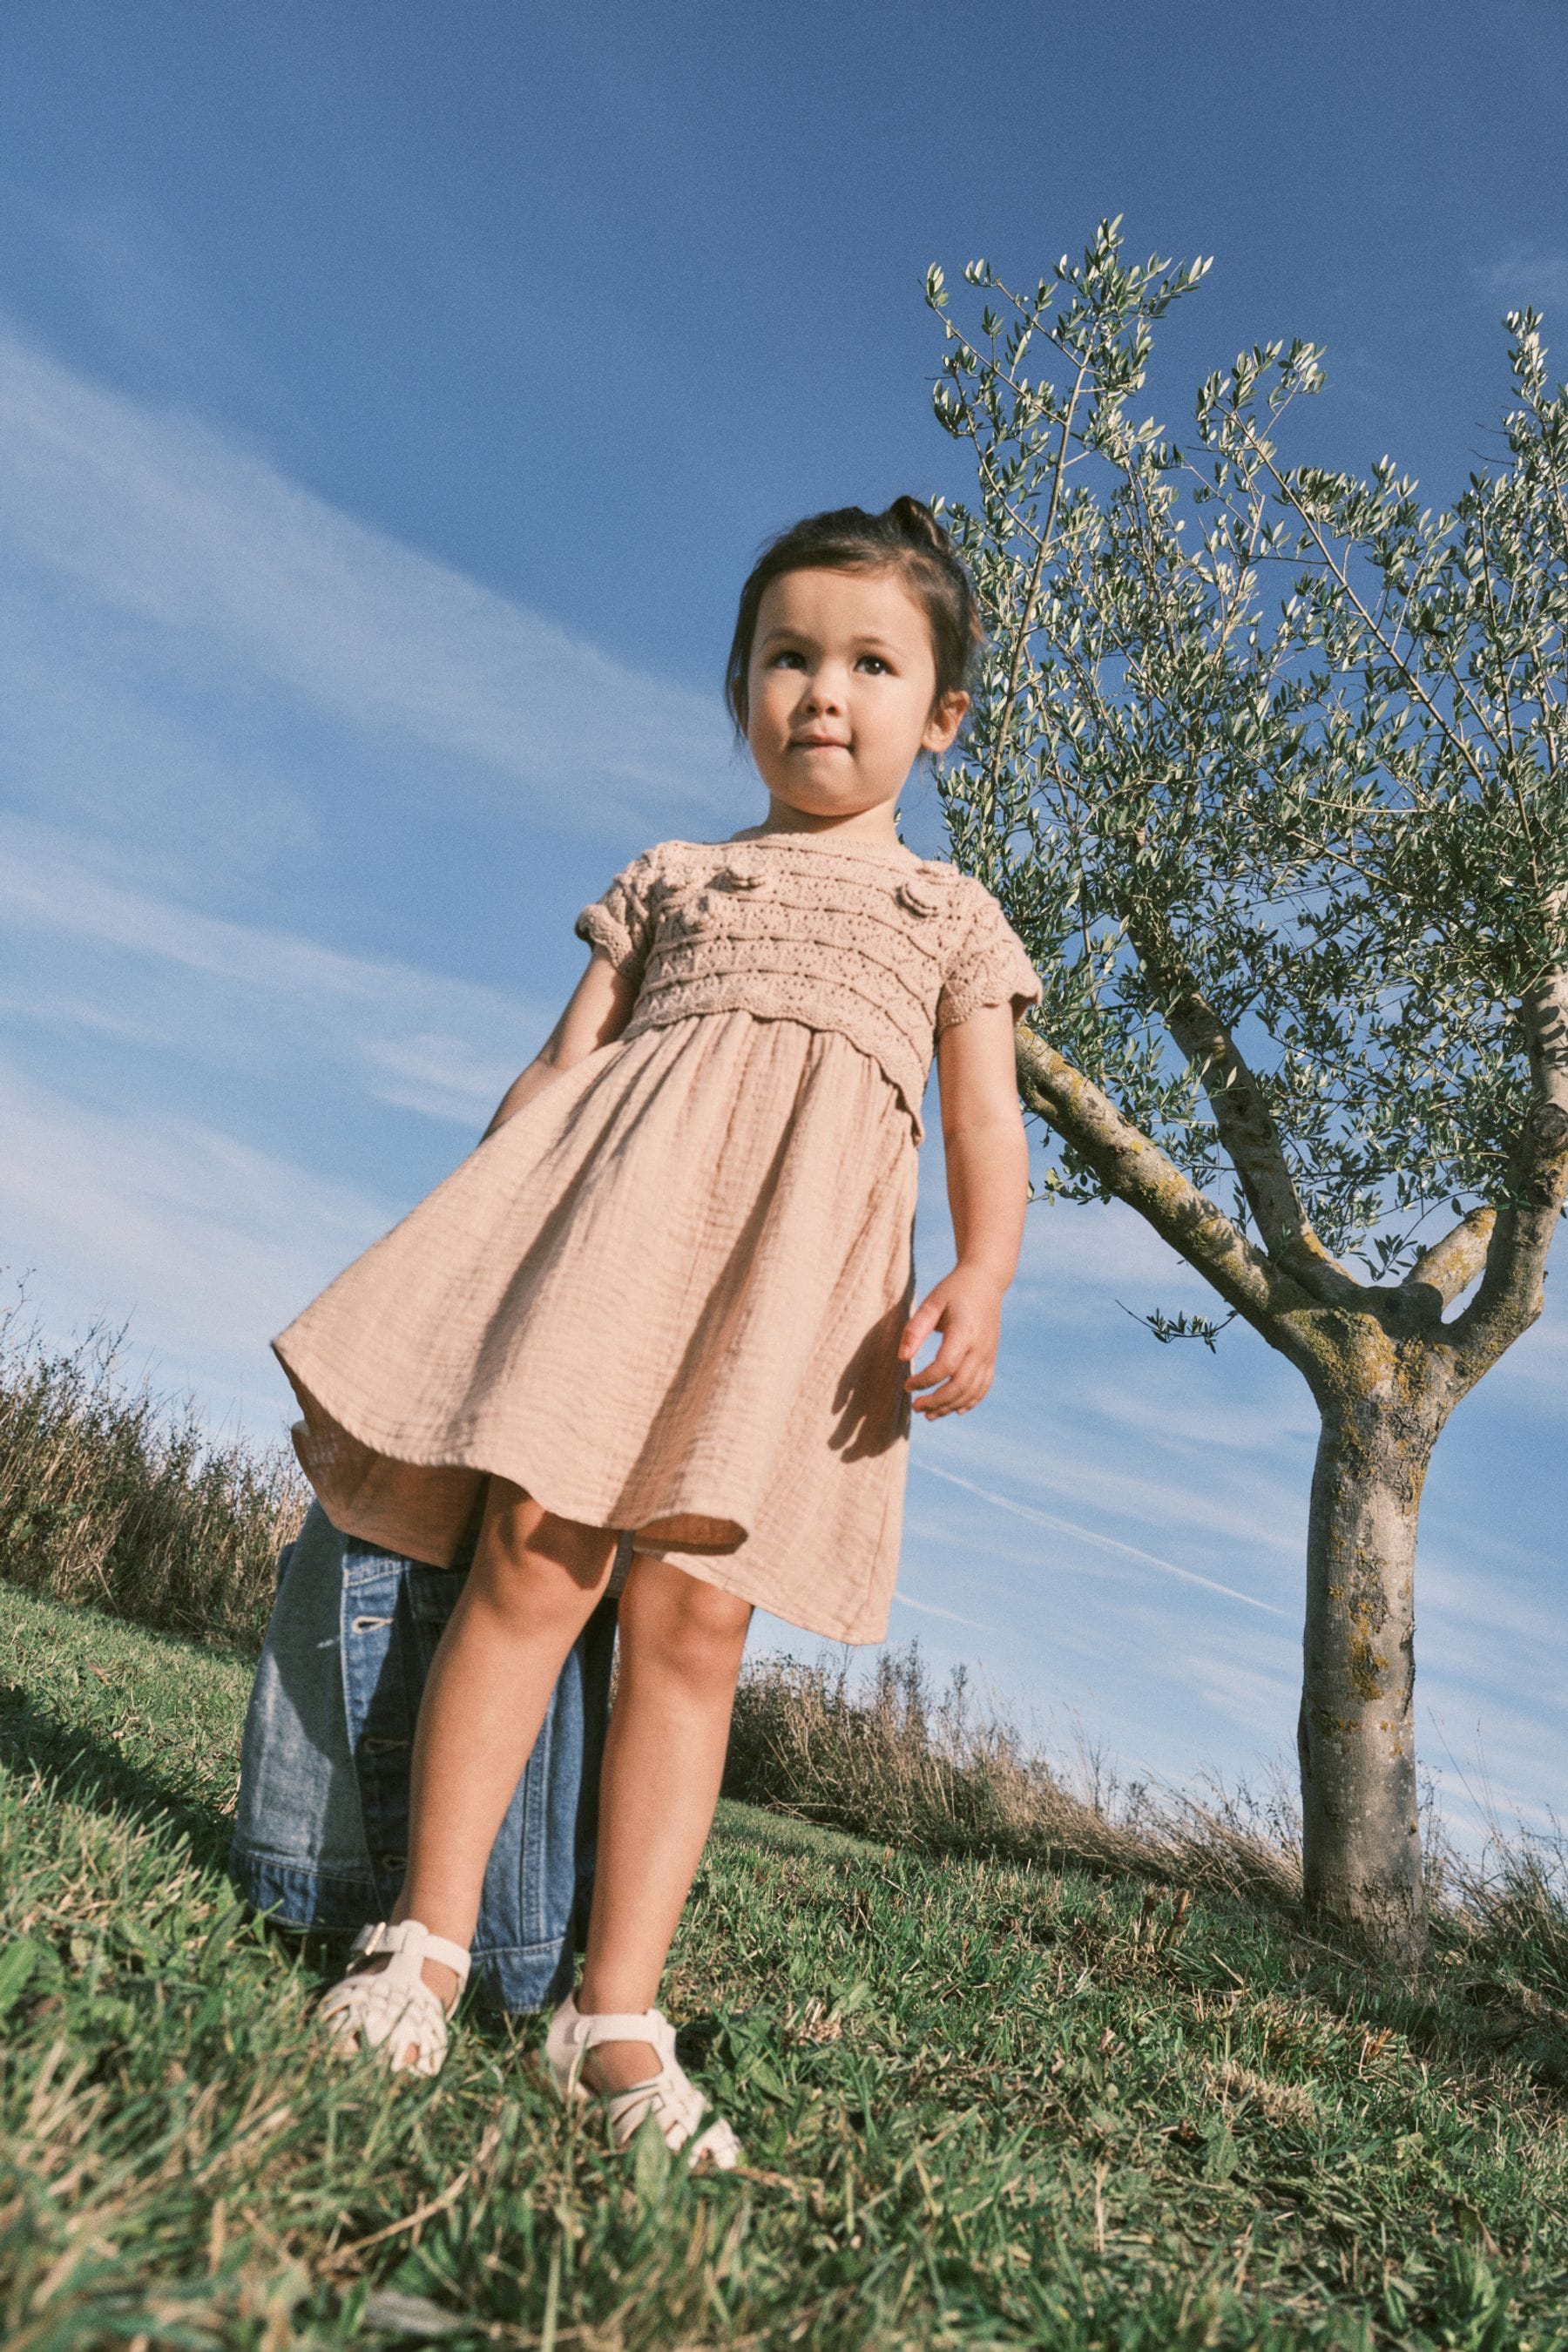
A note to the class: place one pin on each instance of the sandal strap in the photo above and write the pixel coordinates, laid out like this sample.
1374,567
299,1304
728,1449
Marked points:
572,2035
410,1944
608,2026
670,2095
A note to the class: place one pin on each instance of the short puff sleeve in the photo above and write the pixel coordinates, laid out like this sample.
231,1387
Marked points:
989,966
621,922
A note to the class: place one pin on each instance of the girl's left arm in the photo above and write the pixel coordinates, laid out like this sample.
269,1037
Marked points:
597,1012
988,1192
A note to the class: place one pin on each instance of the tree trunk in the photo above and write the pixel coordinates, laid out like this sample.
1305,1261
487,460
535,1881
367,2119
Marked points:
1360,1833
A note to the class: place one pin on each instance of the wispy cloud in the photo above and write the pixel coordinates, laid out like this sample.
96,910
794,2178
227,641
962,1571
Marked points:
200,1242
1109,1244
412,1039
1225,1424
1526,275
1255,1695
211,681
1090,1461
207,566
1534,1372
136,273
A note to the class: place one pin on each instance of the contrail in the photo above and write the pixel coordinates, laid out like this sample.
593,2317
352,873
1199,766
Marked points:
1092,1534
929,1609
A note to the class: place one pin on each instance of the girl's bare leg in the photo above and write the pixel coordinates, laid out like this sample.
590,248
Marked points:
534,1584
681,1645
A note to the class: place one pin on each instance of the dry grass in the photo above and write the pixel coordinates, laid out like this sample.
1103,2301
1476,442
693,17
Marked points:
112,1495
887,1759
1511,1904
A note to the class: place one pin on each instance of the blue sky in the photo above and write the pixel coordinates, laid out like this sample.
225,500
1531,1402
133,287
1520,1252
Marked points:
392,397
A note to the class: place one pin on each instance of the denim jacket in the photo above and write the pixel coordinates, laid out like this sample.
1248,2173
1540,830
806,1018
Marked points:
322,1817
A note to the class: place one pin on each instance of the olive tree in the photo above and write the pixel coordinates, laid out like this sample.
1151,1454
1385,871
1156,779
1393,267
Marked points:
1268,766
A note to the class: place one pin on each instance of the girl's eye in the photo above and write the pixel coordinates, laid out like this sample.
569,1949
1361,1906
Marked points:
789,661
874,663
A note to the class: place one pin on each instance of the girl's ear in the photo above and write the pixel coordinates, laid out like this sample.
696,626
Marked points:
946,718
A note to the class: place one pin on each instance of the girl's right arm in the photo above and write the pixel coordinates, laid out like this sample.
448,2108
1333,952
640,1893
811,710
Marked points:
600,1007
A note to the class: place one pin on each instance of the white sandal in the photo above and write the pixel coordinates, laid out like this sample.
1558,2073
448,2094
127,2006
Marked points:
670,2095
366,2008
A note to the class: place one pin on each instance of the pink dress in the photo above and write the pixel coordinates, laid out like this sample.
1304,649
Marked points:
667,1294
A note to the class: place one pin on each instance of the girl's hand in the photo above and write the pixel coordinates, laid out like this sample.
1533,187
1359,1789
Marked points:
966,1307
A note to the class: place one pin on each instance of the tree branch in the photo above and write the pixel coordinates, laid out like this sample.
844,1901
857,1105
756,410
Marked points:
1451,1265
1511,1293
1138,1173
1027,618
1414,685
1246,1124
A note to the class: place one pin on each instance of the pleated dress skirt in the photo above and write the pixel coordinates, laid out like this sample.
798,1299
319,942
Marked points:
666,1297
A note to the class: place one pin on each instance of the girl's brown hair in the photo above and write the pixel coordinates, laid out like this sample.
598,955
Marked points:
908,538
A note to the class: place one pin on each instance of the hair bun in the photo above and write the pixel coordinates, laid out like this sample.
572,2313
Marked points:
917,523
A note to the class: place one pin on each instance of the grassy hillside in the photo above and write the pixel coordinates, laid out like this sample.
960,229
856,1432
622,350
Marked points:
985,2104
117,1495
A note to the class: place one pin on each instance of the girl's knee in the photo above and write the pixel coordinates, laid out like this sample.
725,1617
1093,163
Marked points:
524,1549
687,1625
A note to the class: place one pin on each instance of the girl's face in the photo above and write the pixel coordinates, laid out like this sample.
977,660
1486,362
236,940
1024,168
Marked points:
841,691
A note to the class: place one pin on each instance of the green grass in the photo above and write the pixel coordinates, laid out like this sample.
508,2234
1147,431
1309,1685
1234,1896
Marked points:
984,2104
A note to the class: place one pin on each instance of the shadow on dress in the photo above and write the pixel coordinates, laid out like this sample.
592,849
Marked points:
871,1400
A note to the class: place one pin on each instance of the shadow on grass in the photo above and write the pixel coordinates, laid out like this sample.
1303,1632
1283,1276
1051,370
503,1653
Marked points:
71,1766
77,1766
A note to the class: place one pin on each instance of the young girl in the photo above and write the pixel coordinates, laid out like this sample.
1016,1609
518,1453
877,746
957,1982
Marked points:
671,1292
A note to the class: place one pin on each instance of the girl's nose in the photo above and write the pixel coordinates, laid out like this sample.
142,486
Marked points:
821,696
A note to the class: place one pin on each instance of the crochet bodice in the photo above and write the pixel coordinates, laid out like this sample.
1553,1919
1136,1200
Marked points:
884,947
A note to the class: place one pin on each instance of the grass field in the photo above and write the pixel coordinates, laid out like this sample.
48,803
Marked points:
982,2105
